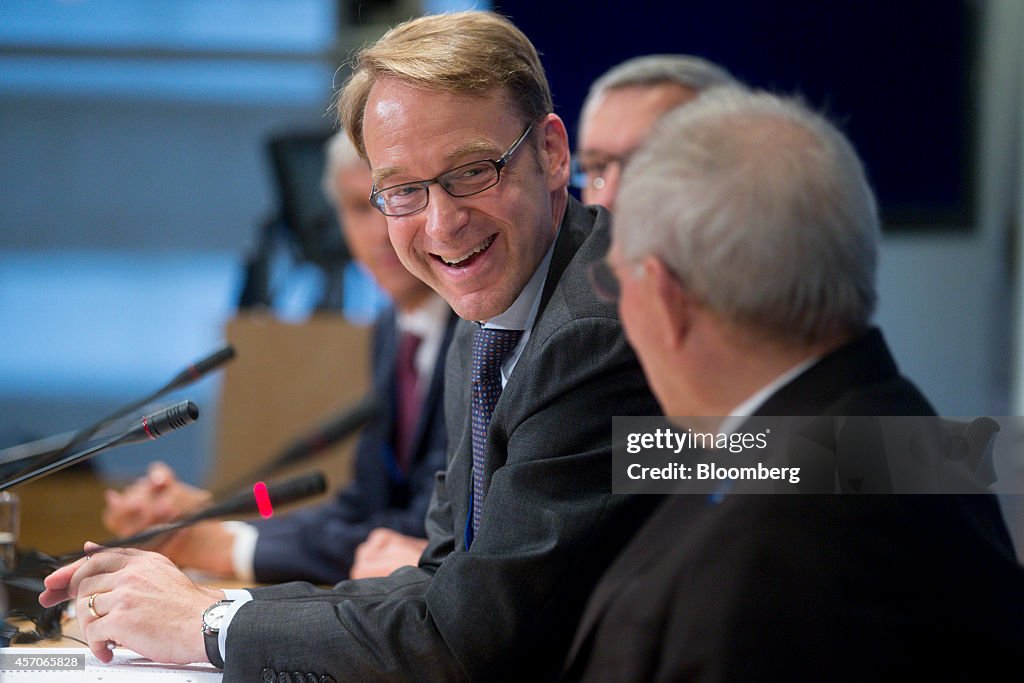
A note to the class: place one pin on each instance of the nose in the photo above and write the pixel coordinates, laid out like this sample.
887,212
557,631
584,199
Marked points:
444,215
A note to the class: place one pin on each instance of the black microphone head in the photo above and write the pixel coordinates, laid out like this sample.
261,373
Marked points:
155,425
169,419
264,495
304,486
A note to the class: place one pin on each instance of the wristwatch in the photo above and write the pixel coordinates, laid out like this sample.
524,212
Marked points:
213,617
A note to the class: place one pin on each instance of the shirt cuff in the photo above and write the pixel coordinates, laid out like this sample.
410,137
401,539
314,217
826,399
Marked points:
243,550
240,597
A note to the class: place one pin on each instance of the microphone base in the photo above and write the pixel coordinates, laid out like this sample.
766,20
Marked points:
19,599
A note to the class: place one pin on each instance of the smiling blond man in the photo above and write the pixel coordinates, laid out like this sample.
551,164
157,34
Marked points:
471,167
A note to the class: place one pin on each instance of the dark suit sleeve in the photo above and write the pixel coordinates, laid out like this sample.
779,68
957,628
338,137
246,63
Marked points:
316,544
439,526
507,607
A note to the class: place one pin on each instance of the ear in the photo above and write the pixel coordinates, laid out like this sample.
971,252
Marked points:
671,302
554,151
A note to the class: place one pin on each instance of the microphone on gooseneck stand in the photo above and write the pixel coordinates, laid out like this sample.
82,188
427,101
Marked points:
55,447
323,436
197,370
26,462
261,498
150,427
24,582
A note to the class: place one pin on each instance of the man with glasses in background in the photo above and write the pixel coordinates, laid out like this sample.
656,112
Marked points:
621,108
471,167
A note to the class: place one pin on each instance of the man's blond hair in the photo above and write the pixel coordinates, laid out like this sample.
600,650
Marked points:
468,53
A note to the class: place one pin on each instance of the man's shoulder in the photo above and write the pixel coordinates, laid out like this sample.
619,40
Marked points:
583,239
385,324
859,378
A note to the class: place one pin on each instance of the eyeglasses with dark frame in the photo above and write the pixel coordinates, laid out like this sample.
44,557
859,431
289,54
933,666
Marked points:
461,181
590,168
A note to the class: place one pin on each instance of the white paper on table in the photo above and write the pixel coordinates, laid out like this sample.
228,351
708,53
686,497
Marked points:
126,667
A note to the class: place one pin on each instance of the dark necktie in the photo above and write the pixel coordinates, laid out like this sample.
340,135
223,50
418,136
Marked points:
407,405
490,349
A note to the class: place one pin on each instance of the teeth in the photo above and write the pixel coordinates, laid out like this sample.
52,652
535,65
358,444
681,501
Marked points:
482,247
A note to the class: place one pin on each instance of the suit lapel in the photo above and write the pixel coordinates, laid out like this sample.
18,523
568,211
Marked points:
429,406
576,226
457,401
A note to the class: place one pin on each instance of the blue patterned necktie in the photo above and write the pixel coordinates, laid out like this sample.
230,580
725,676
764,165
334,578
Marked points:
490,349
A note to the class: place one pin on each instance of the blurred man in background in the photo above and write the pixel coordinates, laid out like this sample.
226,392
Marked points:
383,508
744,254
622,106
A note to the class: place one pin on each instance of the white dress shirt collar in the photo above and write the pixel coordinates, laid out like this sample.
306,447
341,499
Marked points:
428,322
523,312
738,415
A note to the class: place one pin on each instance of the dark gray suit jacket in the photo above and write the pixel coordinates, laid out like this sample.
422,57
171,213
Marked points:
507,608
812,587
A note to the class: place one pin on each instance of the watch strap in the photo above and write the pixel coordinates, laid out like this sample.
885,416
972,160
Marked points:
211,637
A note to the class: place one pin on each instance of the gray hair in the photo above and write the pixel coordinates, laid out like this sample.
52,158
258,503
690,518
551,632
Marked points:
339,153
762,209
694,73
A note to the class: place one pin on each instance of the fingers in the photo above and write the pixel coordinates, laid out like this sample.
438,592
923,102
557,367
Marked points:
52,596
383,538
379,537
91,605
62,584
167,510
101,562
384,551
415,546
112,498
93,584
161,475
114,513
127,511
94,609
58,584
97,636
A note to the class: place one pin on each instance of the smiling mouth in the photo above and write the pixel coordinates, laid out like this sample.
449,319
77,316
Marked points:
469,258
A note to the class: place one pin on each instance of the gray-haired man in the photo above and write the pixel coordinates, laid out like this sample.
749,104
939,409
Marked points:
622,107
745,253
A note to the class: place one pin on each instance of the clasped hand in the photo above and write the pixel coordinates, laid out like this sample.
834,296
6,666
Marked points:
135,599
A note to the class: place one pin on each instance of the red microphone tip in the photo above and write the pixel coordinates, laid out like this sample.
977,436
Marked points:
259,491
145,428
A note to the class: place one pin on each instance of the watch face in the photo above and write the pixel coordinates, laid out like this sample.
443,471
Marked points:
214,616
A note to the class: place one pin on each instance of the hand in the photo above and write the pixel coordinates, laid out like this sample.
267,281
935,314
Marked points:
384,551
207,546
156,498
144,603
